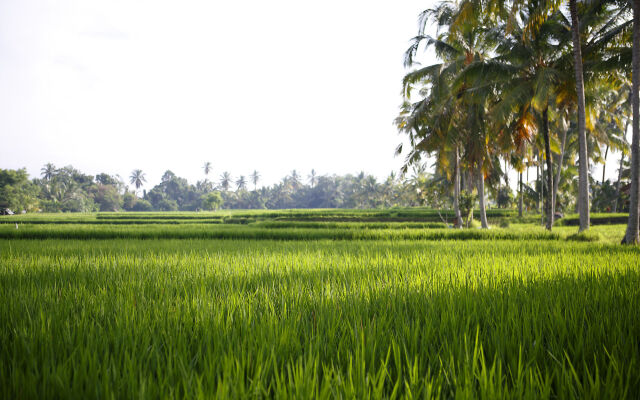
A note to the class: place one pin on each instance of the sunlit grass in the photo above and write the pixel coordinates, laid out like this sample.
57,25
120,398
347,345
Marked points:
394,316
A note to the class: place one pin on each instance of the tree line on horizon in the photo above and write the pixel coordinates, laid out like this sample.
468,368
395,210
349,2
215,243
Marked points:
69,190
542,83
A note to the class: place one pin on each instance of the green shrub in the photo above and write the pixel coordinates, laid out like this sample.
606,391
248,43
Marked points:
585,236
475,224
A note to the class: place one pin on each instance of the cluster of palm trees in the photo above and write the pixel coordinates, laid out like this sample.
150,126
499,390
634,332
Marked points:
138,178
531,83
226,180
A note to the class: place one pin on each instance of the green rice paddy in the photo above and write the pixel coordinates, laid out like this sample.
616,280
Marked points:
306,304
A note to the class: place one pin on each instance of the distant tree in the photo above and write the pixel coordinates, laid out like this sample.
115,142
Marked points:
504,197
225,181
241,183
167,176
313,178
167,205
211,201
467,202
107,197
142,205
106,179
207,168
294,180
137,178
16,191
255,177
48,171
204,186
174,192
128,201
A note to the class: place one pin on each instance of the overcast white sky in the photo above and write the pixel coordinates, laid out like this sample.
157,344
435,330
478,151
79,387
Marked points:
110,86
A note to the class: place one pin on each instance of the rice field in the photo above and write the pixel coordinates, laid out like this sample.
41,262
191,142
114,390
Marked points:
324,308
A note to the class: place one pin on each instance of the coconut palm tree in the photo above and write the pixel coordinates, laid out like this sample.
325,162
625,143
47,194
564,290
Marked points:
207,168
583,166
507,74
255,177
632,234
295,180
449,121
623,152
241,183
137,178
313,178
48,171
526,72
225,181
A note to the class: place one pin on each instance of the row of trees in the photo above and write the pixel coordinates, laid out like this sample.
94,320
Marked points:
69,190
527,84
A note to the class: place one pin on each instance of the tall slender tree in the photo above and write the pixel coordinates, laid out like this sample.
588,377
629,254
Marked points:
207,168
137,178
48,171
225,181
241,183
294,180
583,160
255,177
313,178
632,234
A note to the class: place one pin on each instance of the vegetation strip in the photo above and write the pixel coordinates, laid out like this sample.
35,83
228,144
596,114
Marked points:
238,319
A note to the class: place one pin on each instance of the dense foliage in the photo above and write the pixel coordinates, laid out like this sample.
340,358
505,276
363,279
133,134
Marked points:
520,85
69,190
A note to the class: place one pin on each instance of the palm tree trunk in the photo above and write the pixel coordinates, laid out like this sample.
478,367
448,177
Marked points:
506,173
468,181
632,235
548,200
538,188
462,180
615,203
456,192
543,212
556,181
483,211
583,168
604,166
520,196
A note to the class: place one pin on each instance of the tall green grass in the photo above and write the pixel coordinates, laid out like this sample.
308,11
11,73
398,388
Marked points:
204,231
313,303
325,319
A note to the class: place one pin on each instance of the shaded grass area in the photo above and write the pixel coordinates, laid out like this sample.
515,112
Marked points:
200,231
332,218
309,215
202,319
301,231
596,219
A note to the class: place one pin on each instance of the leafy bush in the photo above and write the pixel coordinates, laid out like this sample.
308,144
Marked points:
142,205
466,203
585,236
